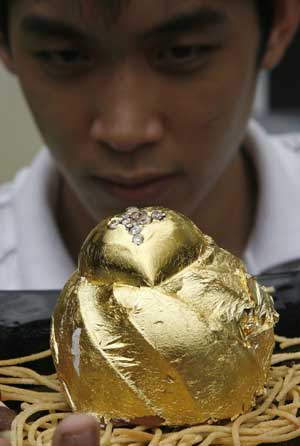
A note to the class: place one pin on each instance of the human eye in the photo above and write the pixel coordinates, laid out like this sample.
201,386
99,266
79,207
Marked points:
63,60
183,57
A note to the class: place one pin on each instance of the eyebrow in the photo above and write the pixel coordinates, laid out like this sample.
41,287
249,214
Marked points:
45,27
200,18
188,21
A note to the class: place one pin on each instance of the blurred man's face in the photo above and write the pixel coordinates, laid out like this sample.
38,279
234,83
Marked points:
148,107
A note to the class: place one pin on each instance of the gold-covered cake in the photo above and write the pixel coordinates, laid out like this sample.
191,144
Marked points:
161,326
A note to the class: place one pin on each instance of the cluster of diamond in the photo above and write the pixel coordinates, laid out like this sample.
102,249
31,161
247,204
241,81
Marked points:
134,220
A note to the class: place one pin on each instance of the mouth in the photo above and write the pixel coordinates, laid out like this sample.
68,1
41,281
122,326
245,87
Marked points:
139,189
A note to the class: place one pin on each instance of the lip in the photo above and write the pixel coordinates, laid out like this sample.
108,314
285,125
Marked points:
139,189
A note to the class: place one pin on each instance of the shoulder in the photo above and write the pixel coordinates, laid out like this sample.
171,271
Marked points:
6,214
286,148
8,228
279,152
288,143
7,235
284,142
8,190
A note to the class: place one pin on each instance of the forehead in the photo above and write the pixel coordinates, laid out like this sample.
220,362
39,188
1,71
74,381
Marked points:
134,17
96,9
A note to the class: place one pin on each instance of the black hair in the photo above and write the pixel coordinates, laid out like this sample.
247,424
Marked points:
4,18
265,9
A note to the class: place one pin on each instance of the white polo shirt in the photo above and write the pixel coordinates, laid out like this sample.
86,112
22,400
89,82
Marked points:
33,254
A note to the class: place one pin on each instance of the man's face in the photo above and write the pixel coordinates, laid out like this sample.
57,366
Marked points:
148,107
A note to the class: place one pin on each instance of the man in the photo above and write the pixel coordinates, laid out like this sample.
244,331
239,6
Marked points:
146,102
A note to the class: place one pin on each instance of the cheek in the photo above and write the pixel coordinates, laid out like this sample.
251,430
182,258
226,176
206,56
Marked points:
61,115
211,118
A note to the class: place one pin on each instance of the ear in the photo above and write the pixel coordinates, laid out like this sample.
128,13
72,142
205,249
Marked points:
286,21
6,56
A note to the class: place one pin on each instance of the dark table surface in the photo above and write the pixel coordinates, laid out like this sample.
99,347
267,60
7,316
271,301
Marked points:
25,315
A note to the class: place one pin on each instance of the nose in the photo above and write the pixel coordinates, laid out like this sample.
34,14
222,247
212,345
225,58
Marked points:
127,118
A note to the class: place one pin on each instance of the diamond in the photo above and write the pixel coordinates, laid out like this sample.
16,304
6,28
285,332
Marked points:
142,213
129,225
135,230
126,221
158,215
145,220
131,210
135,215
113,224
138,239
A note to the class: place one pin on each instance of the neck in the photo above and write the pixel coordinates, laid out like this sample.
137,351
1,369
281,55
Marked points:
227,214
73,220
